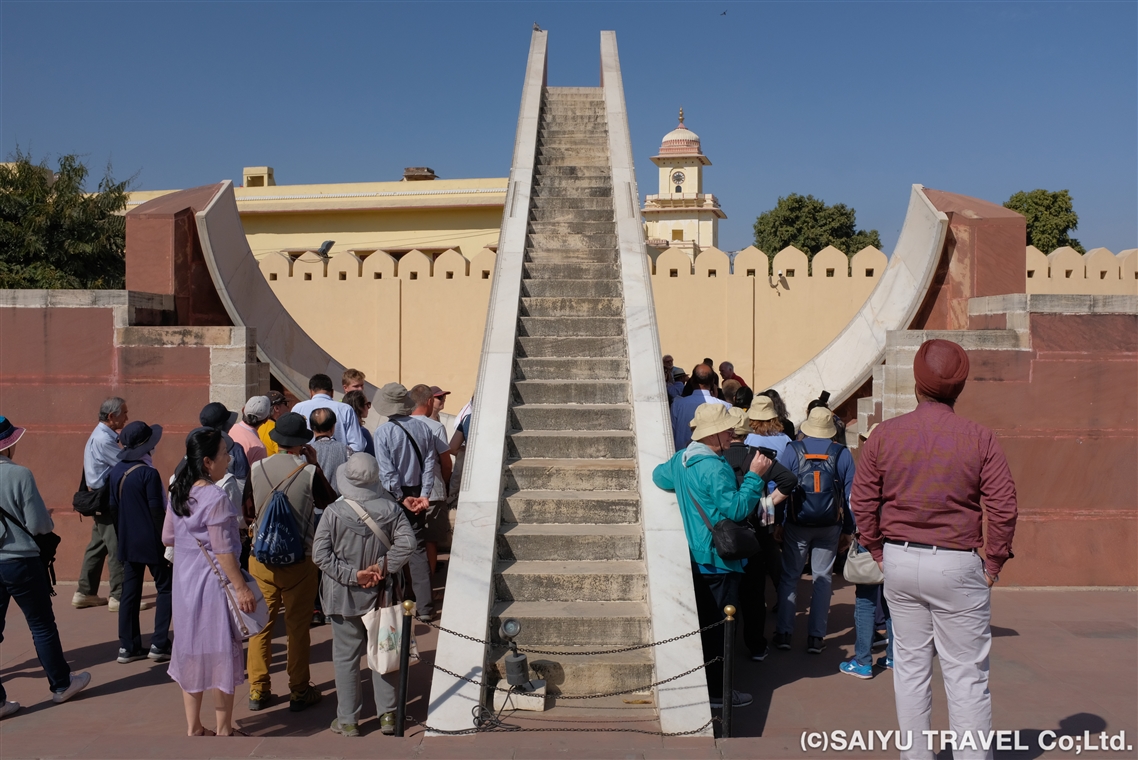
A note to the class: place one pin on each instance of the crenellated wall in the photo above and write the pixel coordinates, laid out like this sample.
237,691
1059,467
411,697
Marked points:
420,317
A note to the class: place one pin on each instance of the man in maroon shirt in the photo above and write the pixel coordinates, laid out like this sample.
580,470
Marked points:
917,495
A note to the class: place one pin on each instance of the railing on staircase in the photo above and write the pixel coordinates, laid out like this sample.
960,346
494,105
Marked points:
469,586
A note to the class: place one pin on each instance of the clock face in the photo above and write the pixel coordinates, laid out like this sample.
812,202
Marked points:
678,178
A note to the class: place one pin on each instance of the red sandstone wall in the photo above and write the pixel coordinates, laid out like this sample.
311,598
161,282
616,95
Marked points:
1066,414
54,376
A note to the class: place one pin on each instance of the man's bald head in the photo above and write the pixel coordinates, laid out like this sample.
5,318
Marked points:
703,376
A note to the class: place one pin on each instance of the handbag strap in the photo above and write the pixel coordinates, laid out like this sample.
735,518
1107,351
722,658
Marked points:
701,512
5,515
363,515
415,446
273,489
122,480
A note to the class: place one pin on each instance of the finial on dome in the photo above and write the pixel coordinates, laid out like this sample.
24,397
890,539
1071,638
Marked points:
681,114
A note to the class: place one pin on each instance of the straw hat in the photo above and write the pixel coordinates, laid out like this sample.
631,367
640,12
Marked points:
740,418
820,423
762,408
710,419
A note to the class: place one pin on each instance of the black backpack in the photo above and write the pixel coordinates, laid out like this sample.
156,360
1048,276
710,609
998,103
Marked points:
819,500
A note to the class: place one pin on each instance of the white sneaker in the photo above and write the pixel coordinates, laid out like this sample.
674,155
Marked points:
79,682
79,601
145,605
738,699
7,708
112,605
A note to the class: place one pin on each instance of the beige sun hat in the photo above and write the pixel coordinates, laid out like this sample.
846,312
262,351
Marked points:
740,416
820,423
710,419
762,408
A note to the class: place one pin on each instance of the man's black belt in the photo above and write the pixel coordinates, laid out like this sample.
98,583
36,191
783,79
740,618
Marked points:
916,545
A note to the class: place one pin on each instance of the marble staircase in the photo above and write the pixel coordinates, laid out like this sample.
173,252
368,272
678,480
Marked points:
569,552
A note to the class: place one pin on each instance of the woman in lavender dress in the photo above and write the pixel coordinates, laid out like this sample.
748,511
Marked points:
207,651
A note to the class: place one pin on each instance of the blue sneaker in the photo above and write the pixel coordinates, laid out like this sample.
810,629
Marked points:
885,662
851,667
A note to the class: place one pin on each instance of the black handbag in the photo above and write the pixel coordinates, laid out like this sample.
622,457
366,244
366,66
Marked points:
732,540
89,502
47,543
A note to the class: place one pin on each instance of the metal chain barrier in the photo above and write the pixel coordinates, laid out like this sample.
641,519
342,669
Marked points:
594,652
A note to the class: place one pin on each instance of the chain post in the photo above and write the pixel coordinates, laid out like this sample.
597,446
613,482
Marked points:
404,668
728,668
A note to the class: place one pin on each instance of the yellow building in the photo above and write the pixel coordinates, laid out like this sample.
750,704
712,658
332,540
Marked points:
681,215
418,212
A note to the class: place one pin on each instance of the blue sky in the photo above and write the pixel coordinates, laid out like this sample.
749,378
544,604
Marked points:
849,101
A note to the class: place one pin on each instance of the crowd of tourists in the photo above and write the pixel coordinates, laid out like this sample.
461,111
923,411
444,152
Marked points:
761,499
300,511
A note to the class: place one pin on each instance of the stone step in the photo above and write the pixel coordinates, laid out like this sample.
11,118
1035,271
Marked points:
608,256
572,474
595,674
573,227
574,167
571,417
570,581
569,327
564,507
571,288
569,675
544,203
592,142
570,370
592,162
598,625
569,346
568,214
598,130
573,117
572,444
569,543
560,191
593,155
568,270
571,391
570,307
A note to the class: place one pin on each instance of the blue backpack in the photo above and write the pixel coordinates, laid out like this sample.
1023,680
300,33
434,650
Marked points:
279,540
819,499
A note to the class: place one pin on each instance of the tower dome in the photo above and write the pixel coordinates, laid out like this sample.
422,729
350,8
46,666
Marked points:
681,141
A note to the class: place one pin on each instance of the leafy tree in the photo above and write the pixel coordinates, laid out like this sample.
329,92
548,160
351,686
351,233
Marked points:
55,235
810,225
1050,218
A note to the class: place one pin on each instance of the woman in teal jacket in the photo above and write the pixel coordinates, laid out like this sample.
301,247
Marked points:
700,474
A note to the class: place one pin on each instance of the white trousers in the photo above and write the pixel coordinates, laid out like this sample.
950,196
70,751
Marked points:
941,603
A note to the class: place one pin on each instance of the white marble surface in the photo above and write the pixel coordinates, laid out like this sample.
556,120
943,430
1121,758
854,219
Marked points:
470,572
250,302
682,705
848,361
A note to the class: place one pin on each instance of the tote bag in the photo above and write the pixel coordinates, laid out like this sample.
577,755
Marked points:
246,624
384,626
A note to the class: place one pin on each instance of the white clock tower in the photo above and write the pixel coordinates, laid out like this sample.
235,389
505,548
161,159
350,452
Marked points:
682,215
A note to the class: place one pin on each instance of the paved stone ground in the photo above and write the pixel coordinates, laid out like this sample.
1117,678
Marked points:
1061,660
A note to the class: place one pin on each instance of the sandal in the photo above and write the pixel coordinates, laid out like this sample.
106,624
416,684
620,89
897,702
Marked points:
236,732
205,732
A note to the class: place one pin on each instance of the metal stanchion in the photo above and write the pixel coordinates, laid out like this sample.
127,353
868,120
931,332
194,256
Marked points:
728,668
404,667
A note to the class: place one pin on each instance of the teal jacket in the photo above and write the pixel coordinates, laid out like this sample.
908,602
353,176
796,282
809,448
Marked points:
700,472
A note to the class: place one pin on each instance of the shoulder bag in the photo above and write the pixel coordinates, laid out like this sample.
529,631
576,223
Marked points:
384,623
47,543
861,568
732,540
246,624
89,503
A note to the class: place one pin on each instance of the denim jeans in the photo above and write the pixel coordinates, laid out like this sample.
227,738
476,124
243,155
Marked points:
130,633
713,592
866,599
822,544
25,580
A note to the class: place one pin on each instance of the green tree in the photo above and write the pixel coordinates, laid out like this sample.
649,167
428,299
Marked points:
53,234
1050,218
809,225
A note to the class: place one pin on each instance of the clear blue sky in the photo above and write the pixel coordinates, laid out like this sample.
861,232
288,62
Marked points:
849,101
